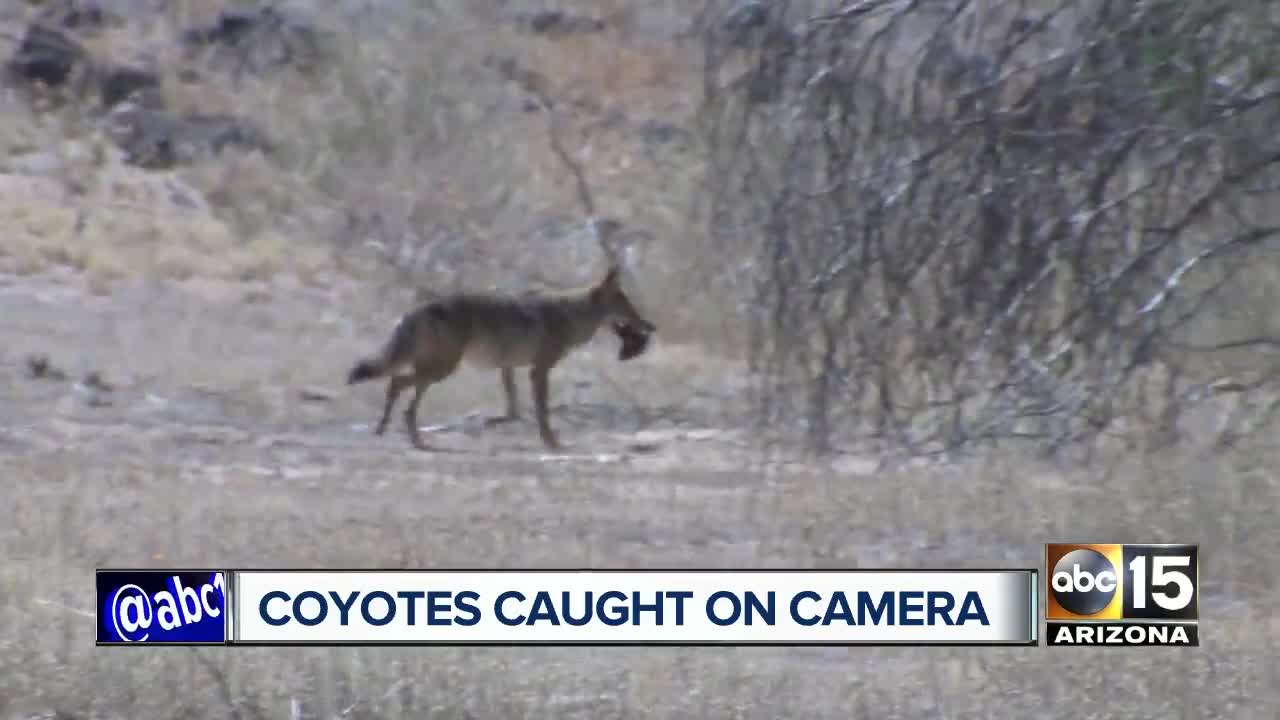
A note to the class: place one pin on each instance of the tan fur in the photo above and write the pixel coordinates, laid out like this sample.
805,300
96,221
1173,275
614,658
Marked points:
536,330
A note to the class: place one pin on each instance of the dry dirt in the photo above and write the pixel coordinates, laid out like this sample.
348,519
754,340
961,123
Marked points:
228,439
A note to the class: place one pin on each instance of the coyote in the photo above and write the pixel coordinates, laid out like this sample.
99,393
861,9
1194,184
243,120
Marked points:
534,330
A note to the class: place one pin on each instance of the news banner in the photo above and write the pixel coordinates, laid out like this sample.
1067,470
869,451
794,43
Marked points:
1093,594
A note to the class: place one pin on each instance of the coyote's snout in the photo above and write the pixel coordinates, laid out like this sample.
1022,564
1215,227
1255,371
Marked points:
494,331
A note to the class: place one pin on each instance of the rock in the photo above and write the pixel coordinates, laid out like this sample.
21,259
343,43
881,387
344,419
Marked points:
95,390
258,39
231,26
52,57
117,83
39,367
315,394
94,380
154,138
97,400
217,132
82,14
46,55
558,22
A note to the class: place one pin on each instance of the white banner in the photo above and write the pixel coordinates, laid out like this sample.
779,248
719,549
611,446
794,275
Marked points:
564,607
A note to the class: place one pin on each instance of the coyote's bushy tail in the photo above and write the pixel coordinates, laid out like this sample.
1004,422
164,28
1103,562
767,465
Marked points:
367,369
396,352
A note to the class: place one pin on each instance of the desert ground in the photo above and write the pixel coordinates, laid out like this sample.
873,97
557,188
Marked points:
171,395
227,438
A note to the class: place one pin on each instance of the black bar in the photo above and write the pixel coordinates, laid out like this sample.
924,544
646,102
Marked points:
1122,634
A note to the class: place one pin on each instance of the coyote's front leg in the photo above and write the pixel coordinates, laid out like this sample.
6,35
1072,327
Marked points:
539,376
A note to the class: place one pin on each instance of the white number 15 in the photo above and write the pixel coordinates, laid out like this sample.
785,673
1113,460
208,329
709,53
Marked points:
1161,574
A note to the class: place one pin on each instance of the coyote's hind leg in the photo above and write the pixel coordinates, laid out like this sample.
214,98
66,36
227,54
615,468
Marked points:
395,386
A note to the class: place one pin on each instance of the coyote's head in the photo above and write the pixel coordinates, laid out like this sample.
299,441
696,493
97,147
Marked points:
607,295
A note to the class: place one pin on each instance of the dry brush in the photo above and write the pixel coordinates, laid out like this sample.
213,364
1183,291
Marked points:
974,221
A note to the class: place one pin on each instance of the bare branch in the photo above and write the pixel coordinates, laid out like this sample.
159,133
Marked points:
537,86
604,229
962,222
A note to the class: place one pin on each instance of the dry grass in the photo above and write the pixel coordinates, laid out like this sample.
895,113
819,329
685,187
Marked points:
207,453
138,231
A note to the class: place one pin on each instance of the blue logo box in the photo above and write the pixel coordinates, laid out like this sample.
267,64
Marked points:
173,607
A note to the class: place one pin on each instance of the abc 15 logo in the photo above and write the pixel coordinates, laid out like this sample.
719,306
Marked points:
1122,582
